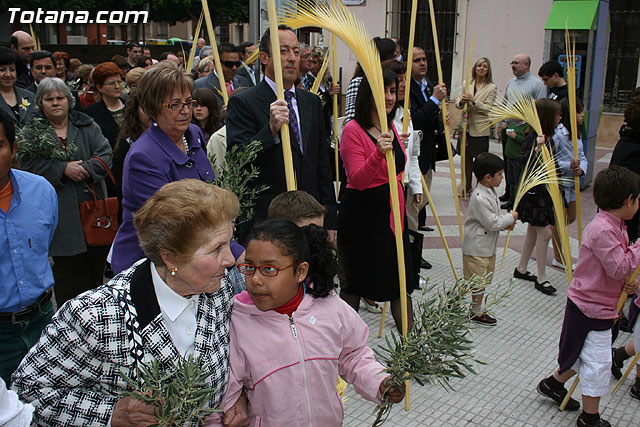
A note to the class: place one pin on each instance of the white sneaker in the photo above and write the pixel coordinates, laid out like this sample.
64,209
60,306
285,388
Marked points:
560,265
371,308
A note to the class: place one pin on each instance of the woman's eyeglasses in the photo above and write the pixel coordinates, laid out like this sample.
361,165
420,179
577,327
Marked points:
178,106
265,270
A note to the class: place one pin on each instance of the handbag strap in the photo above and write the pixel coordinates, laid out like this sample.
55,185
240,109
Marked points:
104,165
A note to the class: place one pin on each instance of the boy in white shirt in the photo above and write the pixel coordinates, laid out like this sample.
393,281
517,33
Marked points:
481,229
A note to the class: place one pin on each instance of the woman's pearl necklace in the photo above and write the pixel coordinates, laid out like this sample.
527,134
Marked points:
186,145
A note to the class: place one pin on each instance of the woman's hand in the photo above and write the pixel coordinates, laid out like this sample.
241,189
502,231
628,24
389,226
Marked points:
385,142
392,393
539,142
132,412
575,167
334,89
631,288
417,200
75,172
467,97
237,415
404,139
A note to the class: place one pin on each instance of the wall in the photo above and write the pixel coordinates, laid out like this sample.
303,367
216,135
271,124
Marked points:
502,29
373,14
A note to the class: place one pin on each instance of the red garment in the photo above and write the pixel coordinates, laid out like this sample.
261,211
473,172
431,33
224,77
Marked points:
5,198
292,305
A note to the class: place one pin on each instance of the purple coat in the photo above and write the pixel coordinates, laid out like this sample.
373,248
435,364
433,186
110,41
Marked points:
153,161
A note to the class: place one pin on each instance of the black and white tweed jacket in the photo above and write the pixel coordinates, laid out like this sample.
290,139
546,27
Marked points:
72,375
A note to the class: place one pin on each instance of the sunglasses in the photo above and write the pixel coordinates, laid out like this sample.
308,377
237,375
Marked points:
231,64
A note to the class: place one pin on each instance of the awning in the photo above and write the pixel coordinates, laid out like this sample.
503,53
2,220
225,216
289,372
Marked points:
582,15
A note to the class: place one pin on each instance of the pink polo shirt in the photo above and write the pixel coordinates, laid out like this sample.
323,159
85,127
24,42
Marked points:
604,262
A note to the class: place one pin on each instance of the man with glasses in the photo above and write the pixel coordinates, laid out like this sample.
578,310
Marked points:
526,83
42,65
230,59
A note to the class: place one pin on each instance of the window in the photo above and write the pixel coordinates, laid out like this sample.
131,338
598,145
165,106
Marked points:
76,30
111,32
162,30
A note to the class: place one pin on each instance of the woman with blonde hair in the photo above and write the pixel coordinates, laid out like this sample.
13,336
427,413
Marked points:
476,104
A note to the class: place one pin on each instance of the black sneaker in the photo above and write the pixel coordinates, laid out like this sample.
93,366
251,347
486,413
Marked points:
616,365
635,390
601,423
557,396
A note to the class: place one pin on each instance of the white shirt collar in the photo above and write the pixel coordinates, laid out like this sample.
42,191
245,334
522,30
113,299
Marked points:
172,304
272,85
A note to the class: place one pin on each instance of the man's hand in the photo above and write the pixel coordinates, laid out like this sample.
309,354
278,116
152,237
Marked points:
75,172
417,199
440,91
511,133
279,115
131,412
237,415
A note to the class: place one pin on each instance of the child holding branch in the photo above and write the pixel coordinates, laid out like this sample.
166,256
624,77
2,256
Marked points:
604,263
481,229
291,335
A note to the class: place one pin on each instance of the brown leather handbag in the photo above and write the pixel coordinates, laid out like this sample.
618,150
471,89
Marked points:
100,217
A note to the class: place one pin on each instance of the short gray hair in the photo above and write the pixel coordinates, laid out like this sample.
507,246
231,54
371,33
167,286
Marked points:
54,84
205,51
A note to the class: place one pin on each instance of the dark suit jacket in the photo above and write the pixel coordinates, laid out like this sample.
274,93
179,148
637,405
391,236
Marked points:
103,117
248,120
244,73
24,79
25,112
211,82
425,117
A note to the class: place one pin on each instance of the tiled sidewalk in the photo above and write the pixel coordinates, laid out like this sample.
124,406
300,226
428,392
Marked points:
520,351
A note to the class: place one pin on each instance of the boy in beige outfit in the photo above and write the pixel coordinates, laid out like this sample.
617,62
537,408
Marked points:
481,229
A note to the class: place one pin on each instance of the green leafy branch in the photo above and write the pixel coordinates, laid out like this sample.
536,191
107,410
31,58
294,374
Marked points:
38,139
180,396
237,172
438,347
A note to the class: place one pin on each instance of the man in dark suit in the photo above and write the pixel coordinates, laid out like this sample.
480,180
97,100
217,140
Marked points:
42,65
255,114
425,115
22,43
248,71
230,59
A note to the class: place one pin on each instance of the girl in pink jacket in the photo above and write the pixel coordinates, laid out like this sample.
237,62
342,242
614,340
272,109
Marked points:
291,335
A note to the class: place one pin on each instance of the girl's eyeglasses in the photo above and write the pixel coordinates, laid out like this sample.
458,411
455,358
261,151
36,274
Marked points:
265,270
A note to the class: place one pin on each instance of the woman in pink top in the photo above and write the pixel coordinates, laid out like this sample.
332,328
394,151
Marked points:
291,335
365,224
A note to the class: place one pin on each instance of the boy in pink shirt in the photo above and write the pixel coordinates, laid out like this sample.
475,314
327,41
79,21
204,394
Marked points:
604,263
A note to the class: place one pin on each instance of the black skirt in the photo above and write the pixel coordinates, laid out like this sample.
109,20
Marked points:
536,207
367,246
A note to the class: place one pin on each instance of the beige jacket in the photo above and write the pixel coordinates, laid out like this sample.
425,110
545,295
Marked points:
485,98
483,223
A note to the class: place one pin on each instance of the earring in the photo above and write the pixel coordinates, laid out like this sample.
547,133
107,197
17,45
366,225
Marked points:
173,272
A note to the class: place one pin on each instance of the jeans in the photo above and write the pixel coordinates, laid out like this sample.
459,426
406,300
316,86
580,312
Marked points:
16,340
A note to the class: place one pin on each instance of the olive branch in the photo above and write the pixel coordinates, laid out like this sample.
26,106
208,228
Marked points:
438,347
39,140
179,395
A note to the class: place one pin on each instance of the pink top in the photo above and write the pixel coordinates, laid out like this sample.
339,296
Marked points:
289,366
604,263
365,165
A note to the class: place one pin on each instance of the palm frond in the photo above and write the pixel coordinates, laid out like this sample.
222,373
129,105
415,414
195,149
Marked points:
192,55
252,57
523,109
323,69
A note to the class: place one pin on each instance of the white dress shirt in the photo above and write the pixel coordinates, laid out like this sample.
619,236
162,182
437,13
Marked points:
294,104
179,314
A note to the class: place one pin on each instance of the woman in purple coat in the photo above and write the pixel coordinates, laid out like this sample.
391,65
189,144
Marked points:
170,150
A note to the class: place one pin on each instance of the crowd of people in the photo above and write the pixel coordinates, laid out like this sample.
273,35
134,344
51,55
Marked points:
153,135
